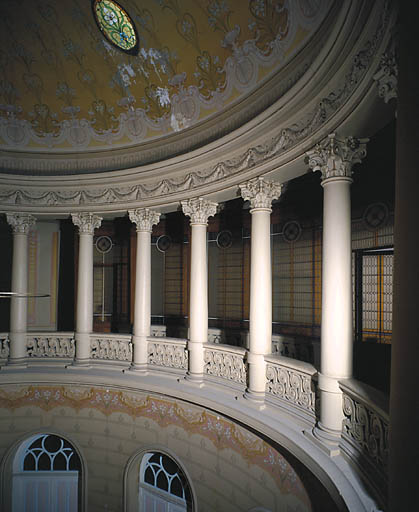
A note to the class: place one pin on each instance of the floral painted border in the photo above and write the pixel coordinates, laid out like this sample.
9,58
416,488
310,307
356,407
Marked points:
223,433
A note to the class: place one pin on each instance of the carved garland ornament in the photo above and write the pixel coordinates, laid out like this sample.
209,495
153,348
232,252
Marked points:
291,385
286,138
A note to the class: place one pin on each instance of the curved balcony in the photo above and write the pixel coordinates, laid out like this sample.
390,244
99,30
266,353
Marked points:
355,475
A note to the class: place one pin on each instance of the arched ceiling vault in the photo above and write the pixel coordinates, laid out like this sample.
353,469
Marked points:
217,92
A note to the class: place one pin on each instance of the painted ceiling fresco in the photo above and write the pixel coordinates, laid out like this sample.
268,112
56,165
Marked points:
64,85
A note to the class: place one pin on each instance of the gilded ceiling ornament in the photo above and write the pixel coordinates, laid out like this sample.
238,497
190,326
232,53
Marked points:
116,25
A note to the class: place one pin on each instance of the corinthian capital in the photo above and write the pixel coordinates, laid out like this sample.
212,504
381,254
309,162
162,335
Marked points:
335,157
260,192
86,222
144,218
20,222
199,209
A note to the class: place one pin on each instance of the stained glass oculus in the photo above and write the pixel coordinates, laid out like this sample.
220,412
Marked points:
116,25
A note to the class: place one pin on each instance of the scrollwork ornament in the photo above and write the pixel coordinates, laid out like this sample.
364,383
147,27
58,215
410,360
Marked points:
86,222
225,365
169,356
144,218
20,222
335,157
260,192
291,385
199,209
386,76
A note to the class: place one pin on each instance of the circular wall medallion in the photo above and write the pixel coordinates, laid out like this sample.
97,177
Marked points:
375,216
291,231
103,244
116,25
224,239
163,243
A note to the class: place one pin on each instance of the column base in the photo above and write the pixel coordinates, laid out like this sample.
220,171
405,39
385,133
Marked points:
15,364
256,397
326,439
137,368
80,363
197,379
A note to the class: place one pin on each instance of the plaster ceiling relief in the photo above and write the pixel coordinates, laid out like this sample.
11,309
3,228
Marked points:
66,88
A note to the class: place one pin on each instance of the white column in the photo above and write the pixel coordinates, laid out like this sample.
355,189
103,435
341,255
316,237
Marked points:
87,223
199,210
21,224
334,158
260,193
144,220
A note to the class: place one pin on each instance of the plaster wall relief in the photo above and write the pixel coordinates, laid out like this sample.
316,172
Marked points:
229,467
66,86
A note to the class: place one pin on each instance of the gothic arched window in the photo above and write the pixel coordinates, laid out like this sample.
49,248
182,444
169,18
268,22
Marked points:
163,485
46,475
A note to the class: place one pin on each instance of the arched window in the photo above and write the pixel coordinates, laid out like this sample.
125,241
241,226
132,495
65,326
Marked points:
163,485
46,475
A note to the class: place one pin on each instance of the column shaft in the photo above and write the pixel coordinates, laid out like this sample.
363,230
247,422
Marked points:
87,223
144,219
21,224
260,193
199,210
142,305
335,158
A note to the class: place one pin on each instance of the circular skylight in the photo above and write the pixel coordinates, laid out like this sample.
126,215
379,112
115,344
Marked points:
116,25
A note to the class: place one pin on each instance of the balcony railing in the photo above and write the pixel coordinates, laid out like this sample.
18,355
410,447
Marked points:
291,386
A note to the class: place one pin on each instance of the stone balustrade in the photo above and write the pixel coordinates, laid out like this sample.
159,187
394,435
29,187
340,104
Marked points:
4,346
168,353
291,386
365,431
50,344
292,382
225,362
112,347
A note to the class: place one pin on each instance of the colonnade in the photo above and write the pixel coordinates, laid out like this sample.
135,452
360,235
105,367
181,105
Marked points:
334,157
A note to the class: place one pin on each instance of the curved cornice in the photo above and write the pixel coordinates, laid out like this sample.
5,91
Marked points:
322,99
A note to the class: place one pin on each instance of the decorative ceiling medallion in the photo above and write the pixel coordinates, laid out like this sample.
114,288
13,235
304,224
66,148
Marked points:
292,231
116,25
375,216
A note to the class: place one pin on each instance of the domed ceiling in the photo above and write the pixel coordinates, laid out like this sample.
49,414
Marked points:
66,88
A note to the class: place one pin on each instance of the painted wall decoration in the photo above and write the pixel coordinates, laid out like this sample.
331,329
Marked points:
65,86
97,411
